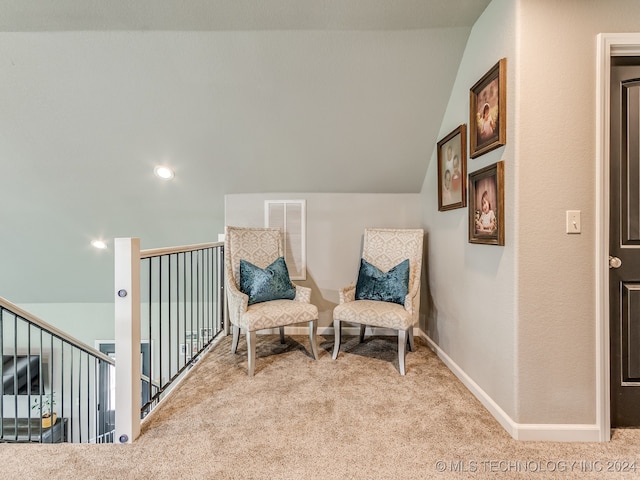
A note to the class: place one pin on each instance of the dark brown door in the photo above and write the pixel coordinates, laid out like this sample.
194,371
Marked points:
624,248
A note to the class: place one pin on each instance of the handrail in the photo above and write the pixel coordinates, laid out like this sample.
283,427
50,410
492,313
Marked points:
154,252
4,303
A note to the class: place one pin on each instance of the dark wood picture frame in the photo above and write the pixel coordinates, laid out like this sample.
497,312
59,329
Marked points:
452,170
488,111
486,221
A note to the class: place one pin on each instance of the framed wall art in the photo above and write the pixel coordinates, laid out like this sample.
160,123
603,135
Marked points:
452,170
486,205
488,111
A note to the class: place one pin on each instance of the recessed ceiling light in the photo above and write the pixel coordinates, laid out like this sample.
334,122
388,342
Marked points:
99,244
163,172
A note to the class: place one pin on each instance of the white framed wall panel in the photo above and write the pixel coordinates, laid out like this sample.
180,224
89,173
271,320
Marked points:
290,216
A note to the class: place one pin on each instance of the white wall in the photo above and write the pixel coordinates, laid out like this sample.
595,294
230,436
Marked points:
532,352
335,225
557,143
473,313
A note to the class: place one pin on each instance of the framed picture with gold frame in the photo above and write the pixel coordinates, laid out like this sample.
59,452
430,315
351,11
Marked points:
486,205
488,111
452,170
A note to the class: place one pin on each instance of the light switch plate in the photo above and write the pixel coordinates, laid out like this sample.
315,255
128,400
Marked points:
573,221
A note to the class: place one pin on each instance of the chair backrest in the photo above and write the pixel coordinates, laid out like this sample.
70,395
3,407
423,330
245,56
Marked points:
260,246
387,247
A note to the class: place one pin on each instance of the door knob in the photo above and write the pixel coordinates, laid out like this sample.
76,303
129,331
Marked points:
614,262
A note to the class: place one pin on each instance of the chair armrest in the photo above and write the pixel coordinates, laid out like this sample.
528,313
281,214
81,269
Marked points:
347,294
303,294
410,299
238,302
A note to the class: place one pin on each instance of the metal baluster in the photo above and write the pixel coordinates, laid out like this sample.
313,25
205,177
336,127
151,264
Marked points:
88,399
191,303
51,393
150,358
40,382
197,303
15,375
221,293
71,422
178,311
79,394
2,386
169,313
62,389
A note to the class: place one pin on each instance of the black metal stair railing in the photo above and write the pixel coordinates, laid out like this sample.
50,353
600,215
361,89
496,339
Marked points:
181,292
54,388
181,311
57,389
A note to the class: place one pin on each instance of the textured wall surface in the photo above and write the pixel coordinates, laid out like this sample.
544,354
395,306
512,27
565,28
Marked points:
531,349
472,314
557,144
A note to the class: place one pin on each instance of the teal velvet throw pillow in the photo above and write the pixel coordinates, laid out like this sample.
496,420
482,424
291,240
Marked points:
265,284
374,284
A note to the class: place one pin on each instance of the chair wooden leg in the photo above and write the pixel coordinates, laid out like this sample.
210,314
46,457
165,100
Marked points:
282,334
362,329
402,342
251,351
337,331
412,345
313,330
236,338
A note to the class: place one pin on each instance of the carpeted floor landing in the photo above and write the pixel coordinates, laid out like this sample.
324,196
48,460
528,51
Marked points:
353,418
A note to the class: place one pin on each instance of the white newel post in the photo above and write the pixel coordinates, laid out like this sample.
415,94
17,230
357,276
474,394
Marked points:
127,339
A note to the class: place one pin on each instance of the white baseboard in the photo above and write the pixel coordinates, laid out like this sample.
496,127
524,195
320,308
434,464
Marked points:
519,431
557,432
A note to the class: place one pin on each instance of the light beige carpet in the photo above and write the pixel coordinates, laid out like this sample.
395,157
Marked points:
353,418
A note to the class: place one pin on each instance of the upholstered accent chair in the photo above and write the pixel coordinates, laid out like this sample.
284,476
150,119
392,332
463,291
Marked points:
387,250
262,247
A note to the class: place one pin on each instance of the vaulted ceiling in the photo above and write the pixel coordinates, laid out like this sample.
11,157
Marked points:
208,15
238,96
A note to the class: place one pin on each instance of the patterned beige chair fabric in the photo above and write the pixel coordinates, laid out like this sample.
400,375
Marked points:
261,246
385,248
